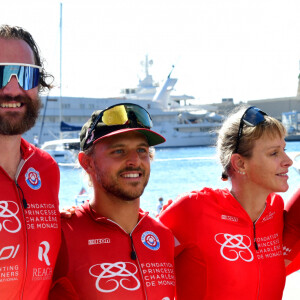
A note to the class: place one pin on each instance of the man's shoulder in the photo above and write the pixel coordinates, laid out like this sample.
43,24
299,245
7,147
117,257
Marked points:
155,224
29,150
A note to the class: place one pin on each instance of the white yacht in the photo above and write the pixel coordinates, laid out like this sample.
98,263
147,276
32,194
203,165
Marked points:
64,151
175,117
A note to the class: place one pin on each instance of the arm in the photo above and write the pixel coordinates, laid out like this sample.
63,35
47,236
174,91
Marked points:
180,217
62,289
291,235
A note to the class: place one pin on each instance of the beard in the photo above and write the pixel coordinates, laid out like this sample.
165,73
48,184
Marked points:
129,193
11,123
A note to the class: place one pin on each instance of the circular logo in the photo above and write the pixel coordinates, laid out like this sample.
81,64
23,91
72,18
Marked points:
33,179
150,240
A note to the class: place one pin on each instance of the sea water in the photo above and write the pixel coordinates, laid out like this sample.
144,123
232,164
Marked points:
179,170
173,171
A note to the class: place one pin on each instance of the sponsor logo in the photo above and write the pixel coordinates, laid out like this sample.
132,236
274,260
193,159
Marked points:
99,241
9,211
150,240
112,276
234,247
230,218
286,250
91,138
8,252
43,273
33,179
44,248
268,217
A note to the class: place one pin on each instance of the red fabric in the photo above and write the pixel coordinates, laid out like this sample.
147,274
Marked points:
214,248
95,256
62,289
291,236
30,237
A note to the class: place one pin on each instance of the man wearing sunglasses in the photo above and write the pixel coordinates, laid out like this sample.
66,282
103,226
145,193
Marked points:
111,249
29,177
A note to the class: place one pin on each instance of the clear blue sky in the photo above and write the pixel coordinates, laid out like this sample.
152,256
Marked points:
243,49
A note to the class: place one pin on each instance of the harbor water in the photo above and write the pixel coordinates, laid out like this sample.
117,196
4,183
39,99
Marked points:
175,171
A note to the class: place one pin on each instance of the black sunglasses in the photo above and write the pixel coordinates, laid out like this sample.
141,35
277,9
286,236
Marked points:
251,117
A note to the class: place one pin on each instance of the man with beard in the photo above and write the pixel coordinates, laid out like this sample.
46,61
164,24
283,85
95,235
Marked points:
29,177
111,249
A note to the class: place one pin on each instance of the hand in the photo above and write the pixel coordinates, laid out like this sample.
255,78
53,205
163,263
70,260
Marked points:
67,212
170,201
287,262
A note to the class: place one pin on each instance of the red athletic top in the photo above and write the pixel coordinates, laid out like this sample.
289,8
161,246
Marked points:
99,260
291,236
29,237
215,249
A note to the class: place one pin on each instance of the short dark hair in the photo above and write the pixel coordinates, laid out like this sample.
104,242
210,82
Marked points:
18,33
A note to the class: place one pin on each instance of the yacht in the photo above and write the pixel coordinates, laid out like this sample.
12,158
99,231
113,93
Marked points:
181,121
64,151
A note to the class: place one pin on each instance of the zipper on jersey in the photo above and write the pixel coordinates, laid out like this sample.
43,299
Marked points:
133,253
139,265
21,164
254,231
21,197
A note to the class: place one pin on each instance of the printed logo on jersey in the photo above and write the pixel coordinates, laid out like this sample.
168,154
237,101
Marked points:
8,216
8,252
150,240
99,241
44,248
42,272
33,179
269,216
230,218
114,276
234,247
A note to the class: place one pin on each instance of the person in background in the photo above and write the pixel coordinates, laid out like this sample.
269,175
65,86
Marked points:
229,242
111,249
160,204
29,177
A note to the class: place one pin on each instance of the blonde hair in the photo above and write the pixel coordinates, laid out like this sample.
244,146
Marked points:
228,135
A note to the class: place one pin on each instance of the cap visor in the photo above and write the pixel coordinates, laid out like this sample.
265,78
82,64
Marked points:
152,137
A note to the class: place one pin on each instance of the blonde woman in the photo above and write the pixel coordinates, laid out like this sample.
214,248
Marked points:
229,241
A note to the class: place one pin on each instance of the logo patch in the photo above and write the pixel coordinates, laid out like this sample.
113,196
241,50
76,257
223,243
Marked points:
44,248
150,240
234,247
9,220
113,276
33,179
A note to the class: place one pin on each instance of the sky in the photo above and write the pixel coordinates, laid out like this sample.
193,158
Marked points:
240,49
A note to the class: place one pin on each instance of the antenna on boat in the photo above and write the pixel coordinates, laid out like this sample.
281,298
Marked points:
171,71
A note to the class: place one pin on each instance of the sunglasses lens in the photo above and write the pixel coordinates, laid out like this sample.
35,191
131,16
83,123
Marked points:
127,114
253,116
28,77
117,117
